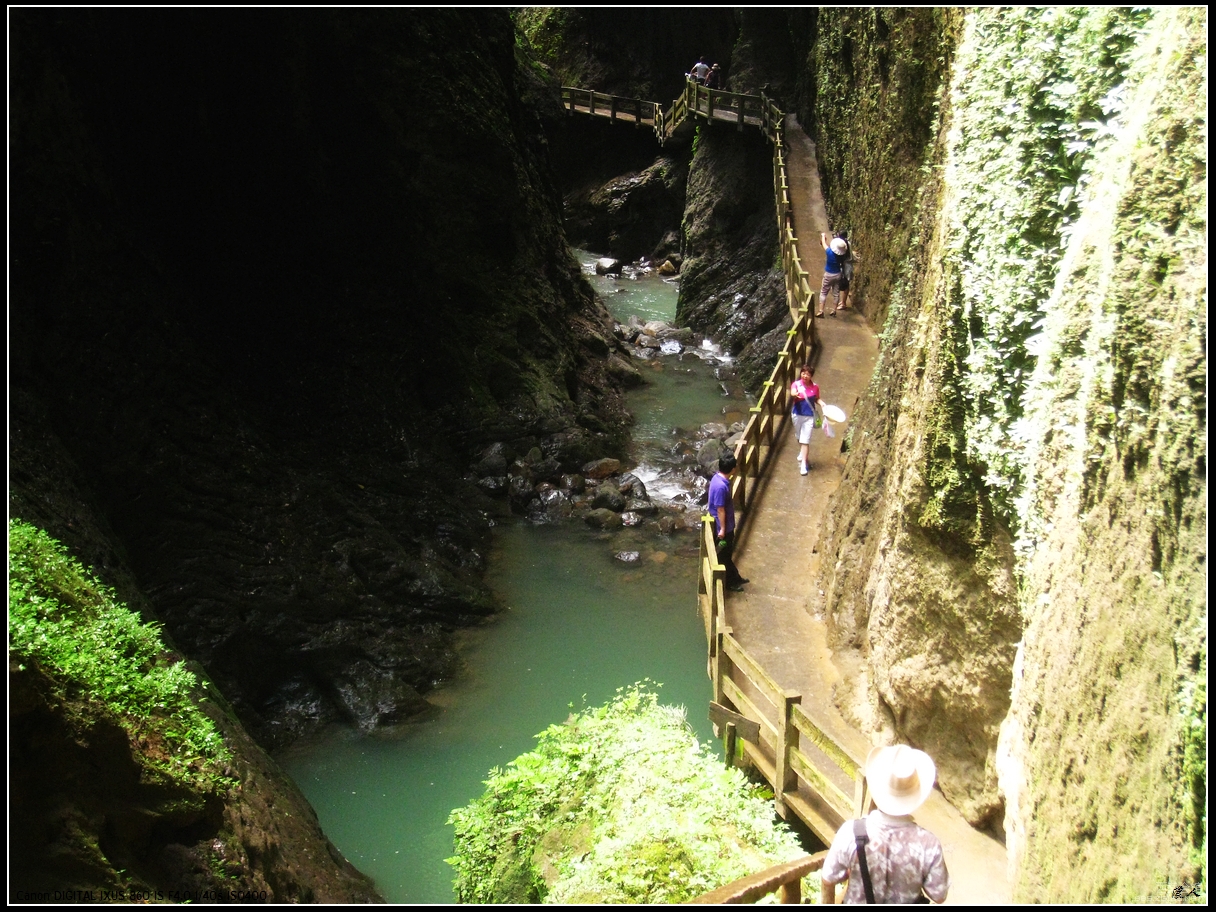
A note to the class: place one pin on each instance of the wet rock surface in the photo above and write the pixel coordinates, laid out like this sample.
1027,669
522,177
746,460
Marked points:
729,285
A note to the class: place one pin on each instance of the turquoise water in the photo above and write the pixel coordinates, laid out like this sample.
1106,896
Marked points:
647,297
579,625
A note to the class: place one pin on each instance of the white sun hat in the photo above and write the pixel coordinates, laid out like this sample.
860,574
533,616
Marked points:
900,778
840,245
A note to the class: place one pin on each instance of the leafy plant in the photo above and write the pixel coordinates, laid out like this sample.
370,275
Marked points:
1037,90
96,650
619,804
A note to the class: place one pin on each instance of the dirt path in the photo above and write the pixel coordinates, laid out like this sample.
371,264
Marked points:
775,618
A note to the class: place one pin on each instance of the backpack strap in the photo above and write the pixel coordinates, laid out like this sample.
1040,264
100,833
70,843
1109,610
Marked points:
859,834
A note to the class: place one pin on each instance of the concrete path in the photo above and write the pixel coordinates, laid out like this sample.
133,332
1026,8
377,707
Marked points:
776,619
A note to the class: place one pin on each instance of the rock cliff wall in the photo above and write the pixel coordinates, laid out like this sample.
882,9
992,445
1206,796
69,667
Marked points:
275,280
1027,475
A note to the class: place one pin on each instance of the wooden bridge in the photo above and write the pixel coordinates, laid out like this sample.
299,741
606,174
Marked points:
695,104
812,758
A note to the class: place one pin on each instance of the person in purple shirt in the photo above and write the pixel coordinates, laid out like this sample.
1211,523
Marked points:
722,509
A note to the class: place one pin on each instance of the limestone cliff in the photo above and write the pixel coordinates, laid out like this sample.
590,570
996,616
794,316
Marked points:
1027,475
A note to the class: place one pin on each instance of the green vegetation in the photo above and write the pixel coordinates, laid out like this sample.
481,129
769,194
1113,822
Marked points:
1035,92
620,804
97,651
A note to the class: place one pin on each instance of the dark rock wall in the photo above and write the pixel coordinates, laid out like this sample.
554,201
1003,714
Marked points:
731,284
627,215
90,808
275,278
633,52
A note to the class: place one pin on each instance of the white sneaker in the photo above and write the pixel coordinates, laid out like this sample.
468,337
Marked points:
802,467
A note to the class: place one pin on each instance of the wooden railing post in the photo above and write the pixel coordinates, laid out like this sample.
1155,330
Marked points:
791,892
787,735
720,669
612,109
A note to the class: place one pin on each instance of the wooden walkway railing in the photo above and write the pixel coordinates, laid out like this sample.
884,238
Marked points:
695,103
783,879
614,107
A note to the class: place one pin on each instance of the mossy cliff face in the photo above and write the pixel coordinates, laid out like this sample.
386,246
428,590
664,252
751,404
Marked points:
90,814
933,606
152,788
1104,748
276,279
1029,463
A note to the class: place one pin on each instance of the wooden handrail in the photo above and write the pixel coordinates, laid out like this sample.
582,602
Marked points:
785,877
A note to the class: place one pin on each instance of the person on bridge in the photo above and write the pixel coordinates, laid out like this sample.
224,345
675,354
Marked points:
700,71
804,398
885,856
714,79
722,509
834,252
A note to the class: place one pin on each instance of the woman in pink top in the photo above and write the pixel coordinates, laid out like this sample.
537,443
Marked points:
804,394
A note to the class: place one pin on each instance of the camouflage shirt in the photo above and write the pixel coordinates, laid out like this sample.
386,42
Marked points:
902,858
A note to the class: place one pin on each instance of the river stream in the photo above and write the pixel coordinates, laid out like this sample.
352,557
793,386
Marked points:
580,624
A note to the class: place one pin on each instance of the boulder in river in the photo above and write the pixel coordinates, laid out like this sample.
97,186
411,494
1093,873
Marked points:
607,266
629,518
603,519
609,497
494,460
602,468
709,453
628,557
494,485
668,268
520,490
632,486
642,507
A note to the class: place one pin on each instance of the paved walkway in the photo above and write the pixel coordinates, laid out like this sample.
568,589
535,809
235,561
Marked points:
776,619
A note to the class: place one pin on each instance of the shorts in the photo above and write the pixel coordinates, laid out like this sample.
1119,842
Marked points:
831,282
844,282
802,427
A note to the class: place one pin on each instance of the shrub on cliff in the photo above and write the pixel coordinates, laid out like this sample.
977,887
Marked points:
619,805
99,653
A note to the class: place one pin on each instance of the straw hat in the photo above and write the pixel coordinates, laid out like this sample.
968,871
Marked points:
900,778
840,245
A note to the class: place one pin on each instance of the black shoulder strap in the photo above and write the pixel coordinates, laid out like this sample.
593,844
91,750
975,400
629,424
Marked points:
859,833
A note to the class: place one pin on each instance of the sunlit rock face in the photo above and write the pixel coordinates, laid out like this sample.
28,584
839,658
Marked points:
1017,547
276,280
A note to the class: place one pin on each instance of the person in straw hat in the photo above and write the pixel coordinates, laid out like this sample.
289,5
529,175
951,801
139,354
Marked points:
902,859
834,251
